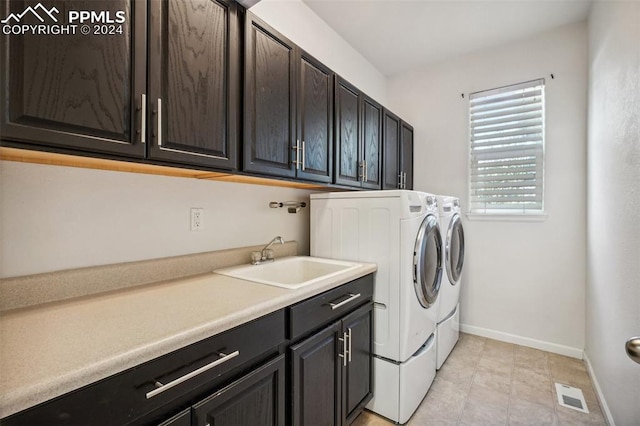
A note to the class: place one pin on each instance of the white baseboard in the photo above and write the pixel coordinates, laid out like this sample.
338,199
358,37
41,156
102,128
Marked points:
523,341
599,394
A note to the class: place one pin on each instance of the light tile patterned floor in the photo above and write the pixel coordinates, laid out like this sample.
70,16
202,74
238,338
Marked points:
487,382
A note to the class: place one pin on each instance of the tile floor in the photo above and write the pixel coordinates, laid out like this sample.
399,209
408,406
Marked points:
487,382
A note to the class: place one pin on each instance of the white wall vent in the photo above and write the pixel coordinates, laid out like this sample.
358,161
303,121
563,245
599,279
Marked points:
571,398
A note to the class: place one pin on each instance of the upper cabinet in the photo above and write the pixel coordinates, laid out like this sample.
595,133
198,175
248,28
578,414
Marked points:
391,151
398,153
315,120
76,91
406,155
89,92
348,149
358,130
288,107
371,143
194,82
270,101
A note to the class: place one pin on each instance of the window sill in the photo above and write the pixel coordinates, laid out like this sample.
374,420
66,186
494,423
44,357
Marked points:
507,217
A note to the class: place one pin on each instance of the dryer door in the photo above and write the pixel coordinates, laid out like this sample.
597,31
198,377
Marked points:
427,262
455,249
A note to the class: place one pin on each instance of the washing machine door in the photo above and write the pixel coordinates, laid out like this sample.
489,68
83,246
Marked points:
455,249
427,262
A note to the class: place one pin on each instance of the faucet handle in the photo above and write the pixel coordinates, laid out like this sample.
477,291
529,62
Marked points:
256,257
269,253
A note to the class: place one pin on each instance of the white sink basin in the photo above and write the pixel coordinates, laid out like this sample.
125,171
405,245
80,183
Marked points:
289,272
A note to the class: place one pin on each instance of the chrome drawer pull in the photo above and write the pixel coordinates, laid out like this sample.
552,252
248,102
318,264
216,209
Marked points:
350,344
162,387
351,298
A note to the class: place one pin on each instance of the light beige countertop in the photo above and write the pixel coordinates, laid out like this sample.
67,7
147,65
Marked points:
51,349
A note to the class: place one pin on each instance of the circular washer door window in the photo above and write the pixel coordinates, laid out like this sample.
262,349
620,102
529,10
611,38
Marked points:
427,262
455,249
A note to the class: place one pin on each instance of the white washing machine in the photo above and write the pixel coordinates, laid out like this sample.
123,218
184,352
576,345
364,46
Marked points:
448,328
399,231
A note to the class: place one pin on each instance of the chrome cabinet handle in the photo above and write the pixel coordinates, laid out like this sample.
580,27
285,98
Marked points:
143,119
365,178
344,353
159,130
296,148
303,161
349,344
400,181
361,171
160,387
633,349
351,298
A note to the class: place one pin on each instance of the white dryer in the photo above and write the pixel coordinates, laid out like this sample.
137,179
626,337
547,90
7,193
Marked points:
399,231
448,328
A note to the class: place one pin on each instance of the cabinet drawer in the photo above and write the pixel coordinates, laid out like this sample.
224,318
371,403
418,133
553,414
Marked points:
168,381
328,306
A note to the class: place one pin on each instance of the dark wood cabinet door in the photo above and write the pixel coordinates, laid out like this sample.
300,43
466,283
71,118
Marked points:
315,120
391,151
406,156
75,91
257,399
194,82
316,379
270,101
371,143
347,131
357,376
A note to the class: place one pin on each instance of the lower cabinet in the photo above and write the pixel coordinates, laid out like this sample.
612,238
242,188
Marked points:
307,364
255,399
357,387
331,372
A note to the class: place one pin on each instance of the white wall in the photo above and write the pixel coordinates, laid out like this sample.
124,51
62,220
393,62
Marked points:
298,22
523,281
613,246
57,218
54,218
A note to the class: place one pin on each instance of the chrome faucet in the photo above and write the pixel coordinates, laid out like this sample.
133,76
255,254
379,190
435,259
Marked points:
258,257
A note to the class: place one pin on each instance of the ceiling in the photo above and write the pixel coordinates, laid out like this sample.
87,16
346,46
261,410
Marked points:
398,35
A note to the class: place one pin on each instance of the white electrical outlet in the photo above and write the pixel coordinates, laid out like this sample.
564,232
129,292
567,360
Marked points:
197,219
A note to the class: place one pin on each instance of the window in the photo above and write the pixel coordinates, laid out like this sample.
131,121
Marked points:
507,150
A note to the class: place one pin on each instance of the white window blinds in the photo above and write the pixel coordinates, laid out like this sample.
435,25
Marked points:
507,149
